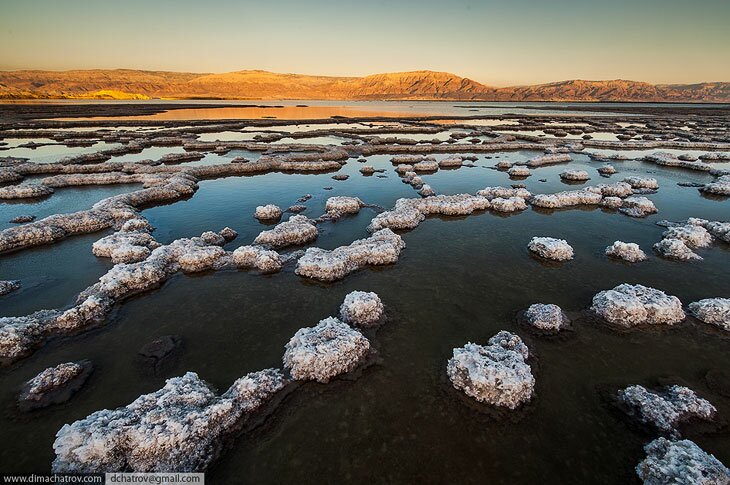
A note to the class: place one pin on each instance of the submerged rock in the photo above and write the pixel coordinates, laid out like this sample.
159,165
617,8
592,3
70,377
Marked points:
680,462
666,409
551,248
495,373
322,352
547,318
630,252
180,428
361,308
8,286
630,305
715,311
268,212
383,247
54,385
297,230
676,249
155,355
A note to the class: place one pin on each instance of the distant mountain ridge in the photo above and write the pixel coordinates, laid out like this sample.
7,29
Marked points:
414,85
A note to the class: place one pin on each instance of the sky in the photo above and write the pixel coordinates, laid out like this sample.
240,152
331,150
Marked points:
499,43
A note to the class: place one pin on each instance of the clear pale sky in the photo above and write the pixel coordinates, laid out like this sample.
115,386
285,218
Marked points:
495,42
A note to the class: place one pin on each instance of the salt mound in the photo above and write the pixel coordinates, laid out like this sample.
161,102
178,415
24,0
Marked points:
549,159
383,247
408,213
680,462
693,236
667,408
642,182
452,161
551,248
125,247
426,166
575,175
638,207
630,252
54,385
180,428
715,311
297,230
325,351
607,170
269,212
426,191
264,260
519,172
343,205
676,249
566,199
503,192
495,373
630,305
8,286
513,204
361,308
546,317
28,191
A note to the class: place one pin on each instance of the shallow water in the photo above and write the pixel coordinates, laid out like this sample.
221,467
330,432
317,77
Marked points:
459,280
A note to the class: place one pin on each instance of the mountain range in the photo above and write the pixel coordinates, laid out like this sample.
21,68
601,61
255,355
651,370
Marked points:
264,85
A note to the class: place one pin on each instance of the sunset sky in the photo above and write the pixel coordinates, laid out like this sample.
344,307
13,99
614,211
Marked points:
497,43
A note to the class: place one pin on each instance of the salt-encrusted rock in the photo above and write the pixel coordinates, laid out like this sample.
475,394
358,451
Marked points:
8,176
322,352
512,204
383,247
451,162
575,175
676,249
340,177
720,230
228,234
612,202
619,189
426,191
519,172
680,463
549,159
426,166
715,311
547,318
638,207
137,224
403,169
297,230
693,236
631,305
630,252
666,409
200,258
27,191
496,373
266,261
721,186
343,205
125,247
408,213
551,248
210,237
504,164
607,170
361,308
8,286
180,428
503,192
367,170
268,212
409,159
54,385
297,208
642,182
22,219
566,199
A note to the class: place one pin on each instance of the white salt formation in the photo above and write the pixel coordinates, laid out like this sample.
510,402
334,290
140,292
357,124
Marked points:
297,230
269,212
408,213
343,205
361,308
426,166
367,170
28,191
495,373
549,159
125,246
8,286
565,199
676,249
451,162
607,170
611,202
680,463
666,409
638,207
264,260
547,318
630,305
551,248
575,175
720,186
630,252
503,192
693,236
322,352
180,428
513,204
383,247
519,172
715,311
54,385
426,191
642,182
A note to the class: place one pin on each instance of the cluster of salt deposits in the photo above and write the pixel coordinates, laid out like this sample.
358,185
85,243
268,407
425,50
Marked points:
8,286
715,311
629,305
678,241
179,428
575,175
340,205
297,230
361,308
262,259
496,373
130,244
547,318
638,207
269,212
566,199
720,186
383,247
503,192
630,252
551,248
680,462
549,159
642,182
666,409
721,230
324,351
